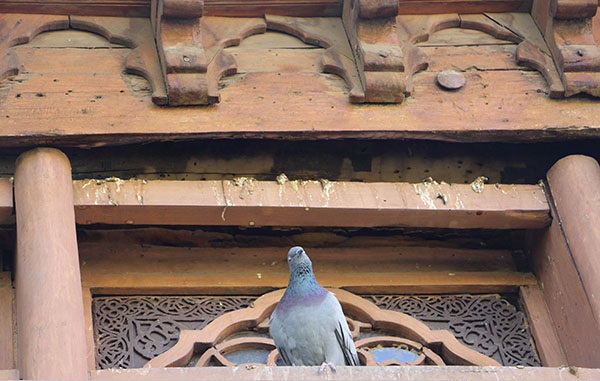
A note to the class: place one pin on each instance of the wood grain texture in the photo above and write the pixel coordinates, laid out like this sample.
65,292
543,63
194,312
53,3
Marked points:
247,202
542,326
130,269
495,105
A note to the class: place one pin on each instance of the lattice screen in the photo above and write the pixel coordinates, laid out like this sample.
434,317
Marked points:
130,330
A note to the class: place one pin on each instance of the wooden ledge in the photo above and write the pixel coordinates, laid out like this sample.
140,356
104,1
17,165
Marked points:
350,373
248,202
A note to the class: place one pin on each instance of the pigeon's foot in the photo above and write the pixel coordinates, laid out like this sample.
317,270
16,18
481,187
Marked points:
327,365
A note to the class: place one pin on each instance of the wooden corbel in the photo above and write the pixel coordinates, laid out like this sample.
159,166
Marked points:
567,29
385,63
190,50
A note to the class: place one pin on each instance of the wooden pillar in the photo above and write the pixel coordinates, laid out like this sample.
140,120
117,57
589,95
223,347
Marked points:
50,319
566,259
574,184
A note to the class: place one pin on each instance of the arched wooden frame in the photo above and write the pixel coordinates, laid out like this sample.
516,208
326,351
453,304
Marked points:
434,347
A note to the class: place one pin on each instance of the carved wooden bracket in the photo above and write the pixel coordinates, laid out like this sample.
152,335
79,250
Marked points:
567,29
190,48
410,341
385,62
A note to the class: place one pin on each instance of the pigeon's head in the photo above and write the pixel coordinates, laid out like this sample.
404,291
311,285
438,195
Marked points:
297,259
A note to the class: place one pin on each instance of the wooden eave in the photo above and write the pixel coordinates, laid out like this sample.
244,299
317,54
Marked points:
70,96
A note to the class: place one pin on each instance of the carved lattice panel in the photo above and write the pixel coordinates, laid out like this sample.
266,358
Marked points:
131,330
490,324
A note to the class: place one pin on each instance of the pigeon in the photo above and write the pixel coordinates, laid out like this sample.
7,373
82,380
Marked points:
308,325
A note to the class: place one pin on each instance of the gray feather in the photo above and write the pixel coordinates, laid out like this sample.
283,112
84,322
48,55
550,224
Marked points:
308,325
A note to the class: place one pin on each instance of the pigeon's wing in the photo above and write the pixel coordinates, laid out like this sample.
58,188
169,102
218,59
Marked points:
344,338
280,338
343,335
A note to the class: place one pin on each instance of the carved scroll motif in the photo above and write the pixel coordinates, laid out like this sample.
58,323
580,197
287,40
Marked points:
382,338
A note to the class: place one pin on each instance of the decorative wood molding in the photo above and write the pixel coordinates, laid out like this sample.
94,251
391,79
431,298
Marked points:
16,29
130,32
248,327
567,29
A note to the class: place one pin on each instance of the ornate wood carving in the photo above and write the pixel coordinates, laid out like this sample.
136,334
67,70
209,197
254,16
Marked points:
489,324
377,332
130,330
532,50
567,29
380,58
190,48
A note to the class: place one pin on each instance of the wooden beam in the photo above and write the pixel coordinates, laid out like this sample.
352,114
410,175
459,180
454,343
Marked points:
408,373
248,202
242,8
131,269
280,104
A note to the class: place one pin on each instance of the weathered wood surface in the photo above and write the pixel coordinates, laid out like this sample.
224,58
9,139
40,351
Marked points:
352,373
7,326
496,104
579,216
247,202
307,8
565,296
129,269
542,326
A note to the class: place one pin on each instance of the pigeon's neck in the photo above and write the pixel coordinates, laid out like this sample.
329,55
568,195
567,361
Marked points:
303,286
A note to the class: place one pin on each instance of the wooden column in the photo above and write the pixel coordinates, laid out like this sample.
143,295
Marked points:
574,182
50,318
565,258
